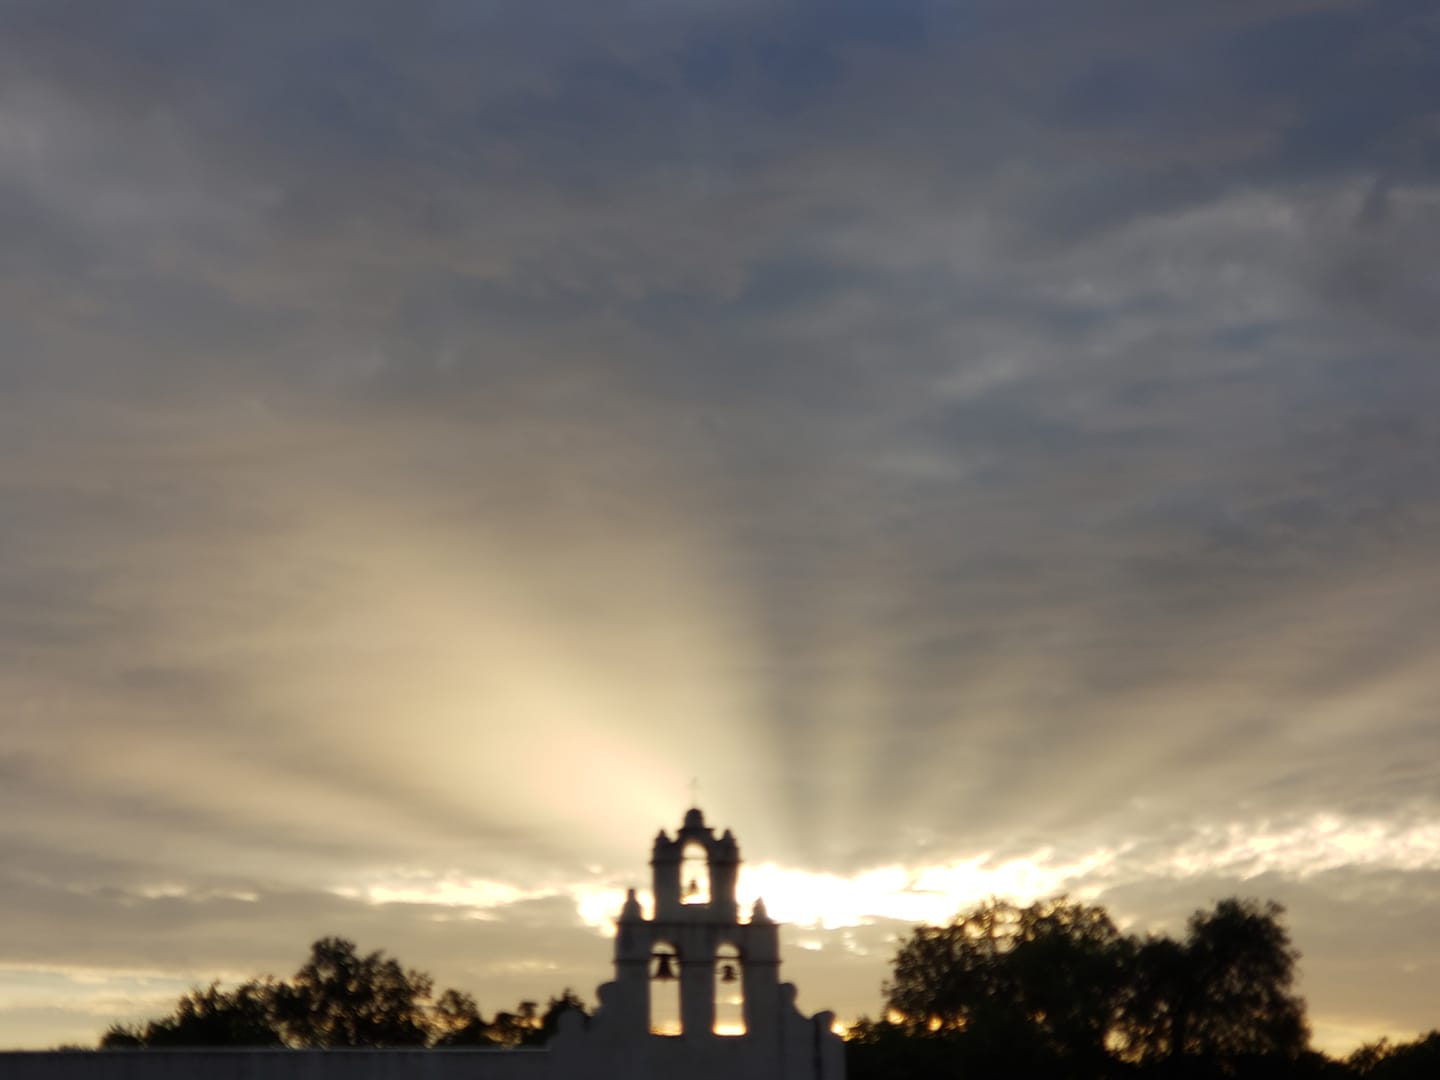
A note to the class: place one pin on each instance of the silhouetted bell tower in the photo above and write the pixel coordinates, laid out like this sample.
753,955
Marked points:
696,937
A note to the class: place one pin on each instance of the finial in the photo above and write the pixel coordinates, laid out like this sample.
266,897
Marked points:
631,911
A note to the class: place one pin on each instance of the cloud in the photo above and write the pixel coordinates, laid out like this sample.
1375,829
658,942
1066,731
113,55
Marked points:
955,434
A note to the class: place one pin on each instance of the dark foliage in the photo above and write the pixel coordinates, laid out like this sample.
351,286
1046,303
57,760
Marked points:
1408,1061
341,998
209,1017
1054,990
1037,987
456,1022
1222,995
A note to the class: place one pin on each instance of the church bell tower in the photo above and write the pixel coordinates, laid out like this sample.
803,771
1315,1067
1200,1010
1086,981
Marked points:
697,937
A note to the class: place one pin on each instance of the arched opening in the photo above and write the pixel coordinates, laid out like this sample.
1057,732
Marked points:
664,990
729,992
695,874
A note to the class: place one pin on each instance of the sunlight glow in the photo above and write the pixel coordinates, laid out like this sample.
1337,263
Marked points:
450,890
935,893
176,891
921,894
825,901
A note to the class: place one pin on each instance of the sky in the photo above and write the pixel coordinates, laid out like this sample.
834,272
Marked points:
991,445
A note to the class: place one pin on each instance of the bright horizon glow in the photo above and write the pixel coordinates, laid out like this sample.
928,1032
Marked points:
818,902
934,893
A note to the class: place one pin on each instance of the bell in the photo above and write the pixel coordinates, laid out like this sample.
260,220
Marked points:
665,972
727,973
693,889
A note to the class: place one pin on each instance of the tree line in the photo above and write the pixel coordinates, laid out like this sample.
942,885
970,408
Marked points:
1055,990
340,998
1050,991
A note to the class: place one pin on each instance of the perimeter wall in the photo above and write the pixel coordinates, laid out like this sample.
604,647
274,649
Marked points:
276,1065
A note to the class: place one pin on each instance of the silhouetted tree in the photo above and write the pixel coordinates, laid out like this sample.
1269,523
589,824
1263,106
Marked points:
1418,1060
1053,989
1364,1058
555,1008
213,1017
886,1050
1222,996
1245,967
122,1037
209,1017
1070,968
1161,998
518,1028
340,998
1037,987
948,978
456,1022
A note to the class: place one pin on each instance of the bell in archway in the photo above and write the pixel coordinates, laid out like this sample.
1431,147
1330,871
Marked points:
666,969
727,973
